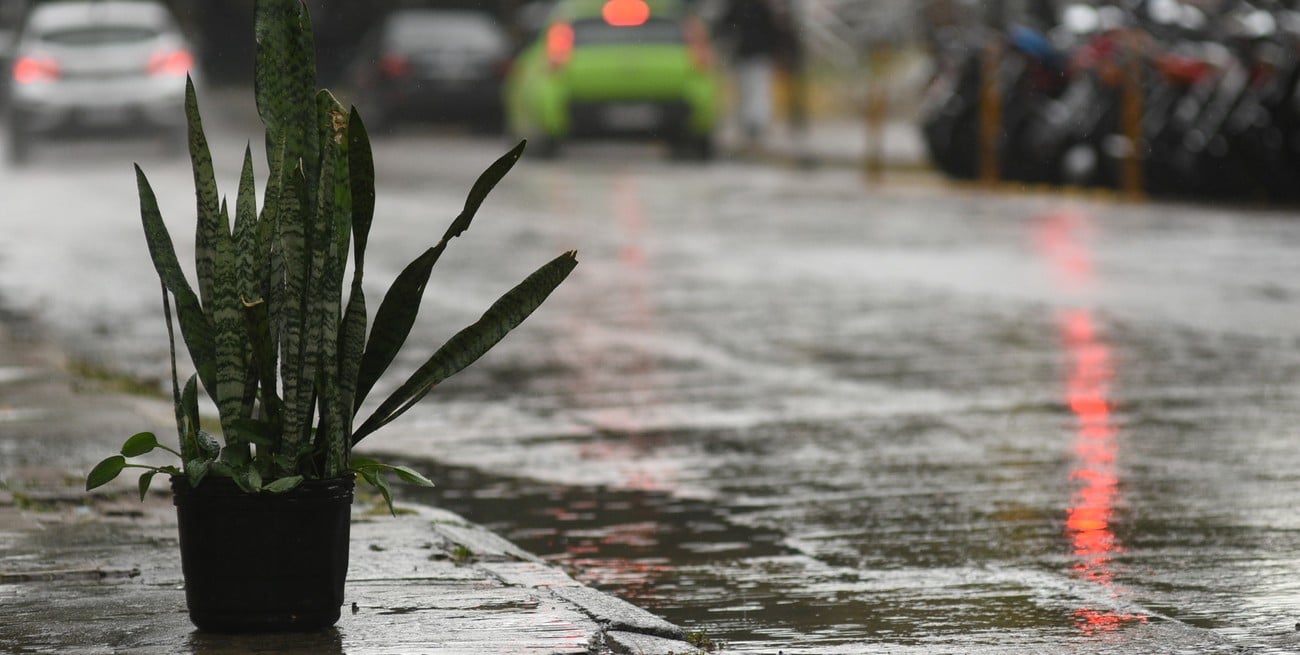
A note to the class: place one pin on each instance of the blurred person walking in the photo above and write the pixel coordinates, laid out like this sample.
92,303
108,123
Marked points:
759,37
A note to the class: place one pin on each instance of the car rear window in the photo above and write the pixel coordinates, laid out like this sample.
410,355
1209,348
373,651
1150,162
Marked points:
100,35
450,32
598,32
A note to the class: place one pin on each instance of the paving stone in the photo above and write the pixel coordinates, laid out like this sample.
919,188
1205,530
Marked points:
617,614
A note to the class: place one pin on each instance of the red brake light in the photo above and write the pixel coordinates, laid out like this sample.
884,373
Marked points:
28,70
174,63
395,65
559,44
625,13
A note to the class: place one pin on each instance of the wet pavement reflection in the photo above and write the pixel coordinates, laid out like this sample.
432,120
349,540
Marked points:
811,416
1091,373
995,442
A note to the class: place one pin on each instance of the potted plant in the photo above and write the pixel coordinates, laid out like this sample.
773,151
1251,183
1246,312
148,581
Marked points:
281,347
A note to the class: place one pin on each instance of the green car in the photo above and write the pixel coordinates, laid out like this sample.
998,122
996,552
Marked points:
616,68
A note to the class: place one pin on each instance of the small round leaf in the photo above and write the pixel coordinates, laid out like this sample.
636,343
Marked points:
411,476
283,484
105,471
146,479
140,444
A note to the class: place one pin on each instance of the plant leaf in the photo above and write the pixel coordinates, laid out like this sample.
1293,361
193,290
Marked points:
482,186
361,174
196,330
249,255
401,304
283,484
209,228
472,342
284,81
262,345
411,476
196,470
352,332
146,479
247,243
230,339
253,477
209,446
105,472
140,444
254,431
296,375
393,321
191,435
247,479
377,480
332,233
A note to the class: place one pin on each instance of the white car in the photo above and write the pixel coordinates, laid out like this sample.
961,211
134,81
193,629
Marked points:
97,67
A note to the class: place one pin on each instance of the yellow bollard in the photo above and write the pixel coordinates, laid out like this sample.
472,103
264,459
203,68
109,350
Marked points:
1133,184
990,173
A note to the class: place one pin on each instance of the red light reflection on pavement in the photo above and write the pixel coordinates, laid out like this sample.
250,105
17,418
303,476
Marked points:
622,557
1090,516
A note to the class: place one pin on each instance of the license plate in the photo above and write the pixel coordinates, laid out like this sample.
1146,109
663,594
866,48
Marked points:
105,116
639,116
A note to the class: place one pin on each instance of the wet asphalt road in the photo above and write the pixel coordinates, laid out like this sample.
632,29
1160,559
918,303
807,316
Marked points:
803,413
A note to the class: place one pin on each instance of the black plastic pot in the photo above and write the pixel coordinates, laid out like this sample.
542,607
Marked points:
263,562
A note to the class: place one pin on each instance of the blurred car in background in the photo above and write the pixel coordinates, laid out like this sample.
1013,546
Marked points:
617,68
97,67
431,65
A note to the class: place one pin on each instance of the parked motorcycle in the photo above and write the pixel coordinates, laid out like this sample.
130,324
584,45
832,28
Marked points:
1219,96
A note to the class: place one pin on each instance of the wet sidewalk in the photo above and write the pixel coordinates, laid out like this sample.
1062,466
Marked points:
100,573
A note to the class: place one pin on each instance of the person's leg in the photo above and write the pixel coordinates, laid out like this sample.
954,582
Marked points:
755,81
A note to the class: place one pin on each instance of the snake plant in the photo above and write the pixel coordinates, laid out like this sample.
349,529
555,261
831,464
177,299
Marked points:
277,340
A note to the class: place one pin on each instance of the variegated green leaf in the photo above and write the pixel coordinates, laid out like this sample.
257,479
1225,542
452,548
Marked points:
227,314
249,255
283,484
191,436
272,251
285,82
210,229
209,446
196,470
472,342
248,245
296,376
263,360
196,330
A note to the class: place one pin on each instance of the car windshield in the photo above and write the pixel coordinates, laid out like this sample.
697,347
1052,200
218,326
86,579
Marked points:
598,32
445,31
100,35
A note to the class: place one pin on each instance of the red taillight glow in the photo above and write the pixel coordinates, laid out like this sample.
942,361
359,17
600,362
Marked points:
395,66
559,44
29,70
625,13
174,63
